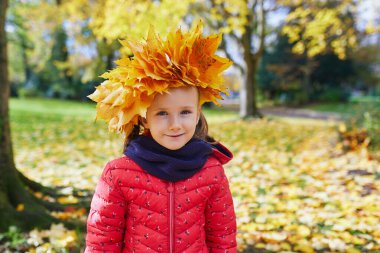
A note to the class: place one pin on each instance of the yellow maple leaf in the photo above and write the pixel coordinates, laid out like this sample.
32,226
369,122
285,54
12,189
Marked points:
183,59
20,207
303,247
67,200
352,250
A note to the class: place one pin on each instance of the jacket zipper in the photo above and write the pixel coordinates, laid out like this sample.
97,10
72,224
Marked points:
171,217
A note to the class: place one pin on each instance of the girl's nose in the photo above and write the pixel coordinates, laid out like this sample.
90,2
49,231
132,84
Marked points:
175,123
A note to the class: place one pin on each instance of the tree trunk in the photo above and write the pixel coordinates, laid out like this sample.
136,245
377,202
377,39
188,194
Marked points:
248,103
248,91
17,205
109,61
307,85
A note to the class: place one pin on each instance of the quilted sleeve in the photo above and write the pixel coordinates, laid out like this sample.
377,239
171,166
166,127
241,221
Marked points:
221,220
106,220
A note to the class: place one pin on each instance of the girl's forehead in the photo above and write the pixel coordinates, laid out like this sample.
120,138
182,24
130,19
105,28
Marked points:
182,95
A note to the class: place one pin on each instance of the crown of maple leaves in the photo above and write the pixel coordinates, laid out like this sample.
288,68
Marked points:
184,59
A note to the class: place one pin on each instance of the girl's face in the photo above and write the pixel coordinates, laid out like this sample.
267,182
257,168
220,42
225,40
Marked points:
173,117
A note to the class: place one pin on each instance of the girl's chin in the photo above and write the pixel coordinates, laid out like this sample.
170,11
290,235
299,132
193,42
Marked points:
173,146
173,143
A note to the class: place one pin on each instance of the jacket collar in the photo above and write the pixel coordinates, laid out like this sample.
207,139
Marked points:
221,153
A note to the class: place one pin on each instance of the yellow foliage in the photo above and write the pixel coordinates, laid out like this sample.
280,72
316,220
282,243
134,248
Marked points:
324,201
371,28
71,213
287,177
303,231
353,139
20,207
234,12
315,27
68,200
274,237
119,19
183,59
353,250
43,19
58,237
303,247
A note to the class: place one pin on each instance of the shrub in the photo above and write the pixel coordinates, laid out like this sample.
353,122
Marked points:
333,94
363,129
24,92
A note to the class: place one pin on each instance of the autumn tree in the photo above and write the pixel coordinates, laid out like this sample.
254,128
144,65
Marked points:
17,205
19,44
98,26
279,72
44,32
317,27
40,40
108,21
243,23
111,21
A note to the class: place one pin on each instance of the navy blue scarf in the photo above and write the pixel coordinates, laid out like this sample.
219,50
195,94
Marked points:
170,165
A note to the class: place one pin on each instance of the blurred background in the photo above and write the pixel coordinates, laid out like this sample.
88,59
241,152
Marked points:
292,52
302,118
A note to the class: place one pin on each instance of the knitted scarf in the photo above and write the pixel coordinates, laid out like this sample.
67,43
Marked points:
166,164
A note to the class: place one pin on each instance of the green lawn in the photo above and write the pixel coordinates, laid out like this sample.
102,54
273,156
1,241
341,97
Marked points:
52,107
348,108
56,109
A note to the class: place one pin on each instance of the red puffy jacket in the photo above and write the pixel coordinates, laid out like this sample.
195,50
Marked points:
133,211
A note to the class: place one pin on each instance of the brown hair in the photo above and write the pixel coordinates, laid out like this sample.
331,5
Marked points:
201,132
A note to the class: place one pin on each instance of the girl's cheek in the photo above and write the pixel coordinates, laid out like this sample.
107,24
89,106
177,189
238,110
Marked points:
190,121
162,122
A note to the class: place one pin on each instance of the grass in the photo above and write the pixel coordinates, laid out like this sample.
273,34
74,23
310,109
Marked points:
52,107
62,108
55,109
332,107
346,109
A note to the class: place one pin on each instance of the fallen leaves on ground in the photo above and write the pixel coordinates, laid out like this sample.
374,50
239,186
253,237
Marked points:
296,191
57,237
294,188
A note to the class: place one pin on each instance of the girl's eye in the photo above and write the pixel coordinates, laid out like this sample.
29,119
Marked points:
162,113
186,112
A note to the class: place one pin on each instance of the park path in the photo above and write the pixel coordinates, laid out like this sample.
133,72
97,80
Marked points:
300,113
283,111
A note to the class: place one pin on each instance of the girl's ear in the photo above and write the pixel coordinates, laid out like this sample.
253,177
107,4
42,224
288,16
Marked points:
144,122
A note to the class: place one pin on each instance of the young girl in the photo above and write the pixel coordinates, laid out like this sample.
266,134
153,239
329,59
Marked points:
169,193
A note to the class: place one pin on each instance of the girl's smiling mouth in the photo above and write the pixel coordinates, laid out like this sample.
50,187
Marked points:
177,135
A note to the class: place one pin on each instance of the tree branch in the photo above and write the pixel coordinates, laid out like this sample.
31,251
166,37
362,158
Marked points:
262,25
